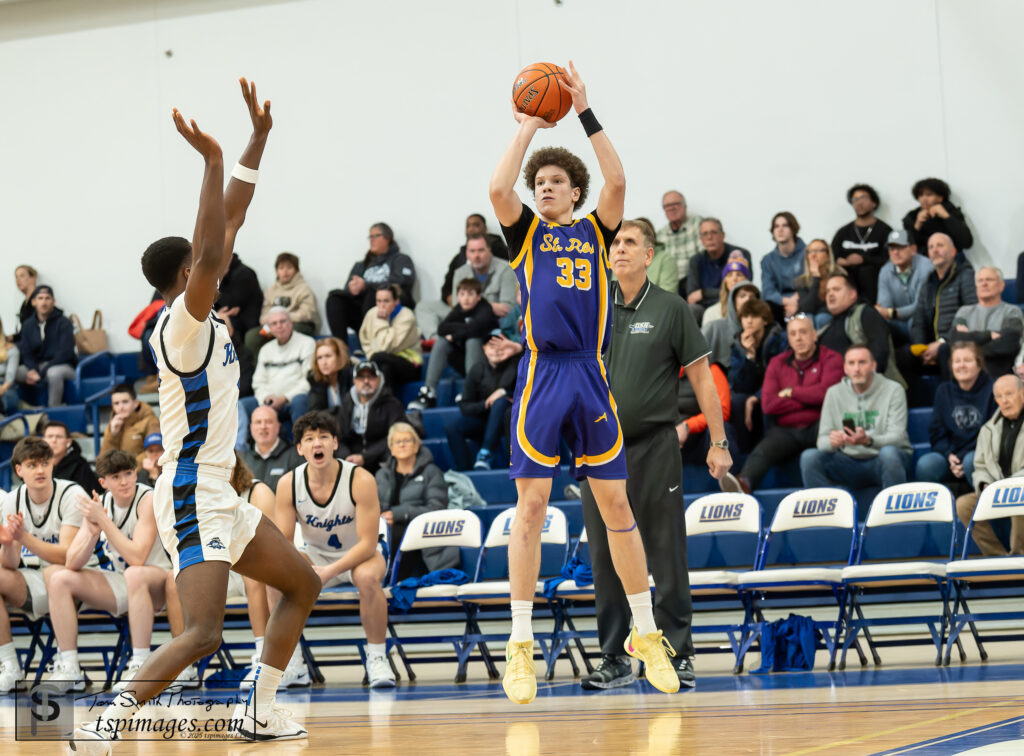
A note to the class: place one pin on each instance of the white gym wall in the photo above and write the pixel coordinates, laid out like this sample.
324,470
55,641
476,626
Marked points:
397,110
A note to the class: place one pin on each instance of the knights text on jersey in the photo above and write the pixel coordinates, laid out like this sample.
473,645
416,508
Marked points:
44,521
198,402
328,528
563,276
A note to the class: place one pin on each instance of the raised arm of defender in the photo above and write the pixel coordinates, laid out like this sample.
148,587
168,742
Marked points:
611,203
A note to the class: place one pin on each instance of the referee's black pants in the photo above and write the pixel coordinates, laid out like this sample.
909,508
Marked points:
656,496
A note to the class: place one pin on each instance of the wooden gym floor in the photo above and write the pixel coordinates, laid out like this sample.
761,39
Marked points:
916,708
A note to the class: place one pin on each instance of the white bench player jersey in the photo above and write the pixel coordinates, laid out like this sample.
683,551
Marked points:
329,528
44,522
109,558
198,371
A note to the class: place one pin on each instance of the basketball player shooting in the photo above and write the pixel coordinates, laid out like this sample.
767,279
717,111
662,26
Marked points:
205,527
562,387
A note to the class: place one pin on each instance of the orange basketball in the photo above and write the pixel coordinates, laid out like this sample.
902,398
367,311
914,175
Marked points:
536,92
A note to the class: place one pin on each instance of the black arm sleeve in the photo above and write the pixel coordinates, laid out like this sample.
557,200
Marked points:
515,234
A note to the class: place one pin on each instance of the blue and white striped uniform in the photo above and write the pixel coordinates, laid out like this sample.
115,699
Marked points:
199,515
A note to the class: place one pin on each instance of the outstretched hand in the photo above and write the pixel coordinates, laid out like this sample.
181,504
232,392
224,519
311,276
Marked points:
260,116
204,144
536,121
573,84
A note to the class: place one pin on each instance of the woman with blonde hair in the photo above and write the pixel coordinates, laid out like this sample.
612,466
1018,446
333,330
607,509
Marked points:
9,360
819,264
331,376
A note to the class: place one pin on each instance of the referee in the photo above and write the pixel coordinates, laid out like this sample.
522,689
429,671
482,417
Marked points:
653,334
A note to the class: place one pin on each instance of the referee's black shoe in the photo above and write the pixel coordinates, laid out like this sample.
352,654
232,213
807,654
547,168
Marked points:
613,672
684,668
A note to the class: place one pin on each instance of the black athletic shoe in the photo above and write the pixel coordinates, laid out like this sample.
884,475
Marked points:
684,668
612,672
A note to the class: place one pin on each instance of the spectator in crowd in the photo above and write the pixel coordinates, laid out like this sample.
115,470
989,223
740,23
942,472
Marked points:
280,377
390,337
854,321
900,282
150,383
365,415
32,551
947,288
476,225
735,271
662,271
810,285
759,340
860,246
478,261
291,292
460,341
692,428
707,267
239,305
119,529
130,422
410,484
25,278
680,236
862,434
152,451
331,376
271,456
47,347
999,454
961,407
720,334
996,326
781,267
484,406
9,357
68,462
383,263
792,395
936,214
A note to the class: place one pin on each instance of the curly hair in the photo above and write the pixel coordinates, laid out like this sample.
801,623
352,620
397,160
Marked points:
579,176
935,185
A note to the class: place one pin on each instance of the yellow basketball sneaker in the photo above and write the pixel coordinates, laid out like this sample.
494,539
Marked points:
520,681
653,650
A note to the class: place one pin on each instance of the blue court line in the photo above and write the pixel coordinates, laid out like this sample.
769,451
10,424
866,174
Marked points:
997,732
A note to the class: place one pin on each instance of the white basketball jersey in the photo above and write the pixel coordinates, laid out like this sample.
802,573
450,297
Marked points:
109,558
329,527
198,405
45,521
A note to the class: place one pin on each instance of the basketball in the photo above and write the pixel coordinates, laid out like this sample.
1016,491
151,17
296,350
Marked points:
536,92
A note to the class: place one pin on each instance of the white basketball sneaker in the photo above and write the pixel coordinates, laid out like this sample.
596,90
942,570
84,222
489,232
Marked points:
247,681
378,670
11,677
187,680
295,676
67,677
272,723
88,741
128,675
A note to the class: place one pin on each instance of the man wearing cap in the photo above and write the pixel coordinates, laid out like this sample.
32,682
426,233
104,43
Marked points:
47,347
704,280
653,335
365,415
899,282
153,449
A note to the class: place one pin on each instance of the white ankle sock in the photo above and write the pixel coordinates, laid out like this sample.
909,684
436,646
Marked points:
376,649
8,654
643,612
296,656
139,655
522,621
70,658
259,647
264,687
123,707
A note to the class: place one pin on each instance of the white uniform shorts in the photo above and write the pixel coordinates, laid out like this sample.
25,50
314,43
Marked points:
199,516
322,559
37,603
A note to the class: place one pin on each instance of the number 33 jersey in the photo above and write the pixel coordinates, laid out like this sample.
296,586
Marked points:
198,371
563,278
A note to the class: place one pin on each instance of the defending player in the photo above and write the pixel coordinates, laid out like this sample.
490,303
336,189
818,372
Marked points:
38,522
562,267
115,563
205,527
335,503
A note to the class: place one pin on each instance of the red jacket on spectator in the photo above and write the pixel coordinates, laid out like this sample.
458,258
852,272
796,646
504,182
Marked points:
698,423
809,379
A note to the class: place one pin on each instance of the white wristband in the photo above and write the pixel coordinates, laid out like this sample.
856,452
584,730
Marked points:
248,175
